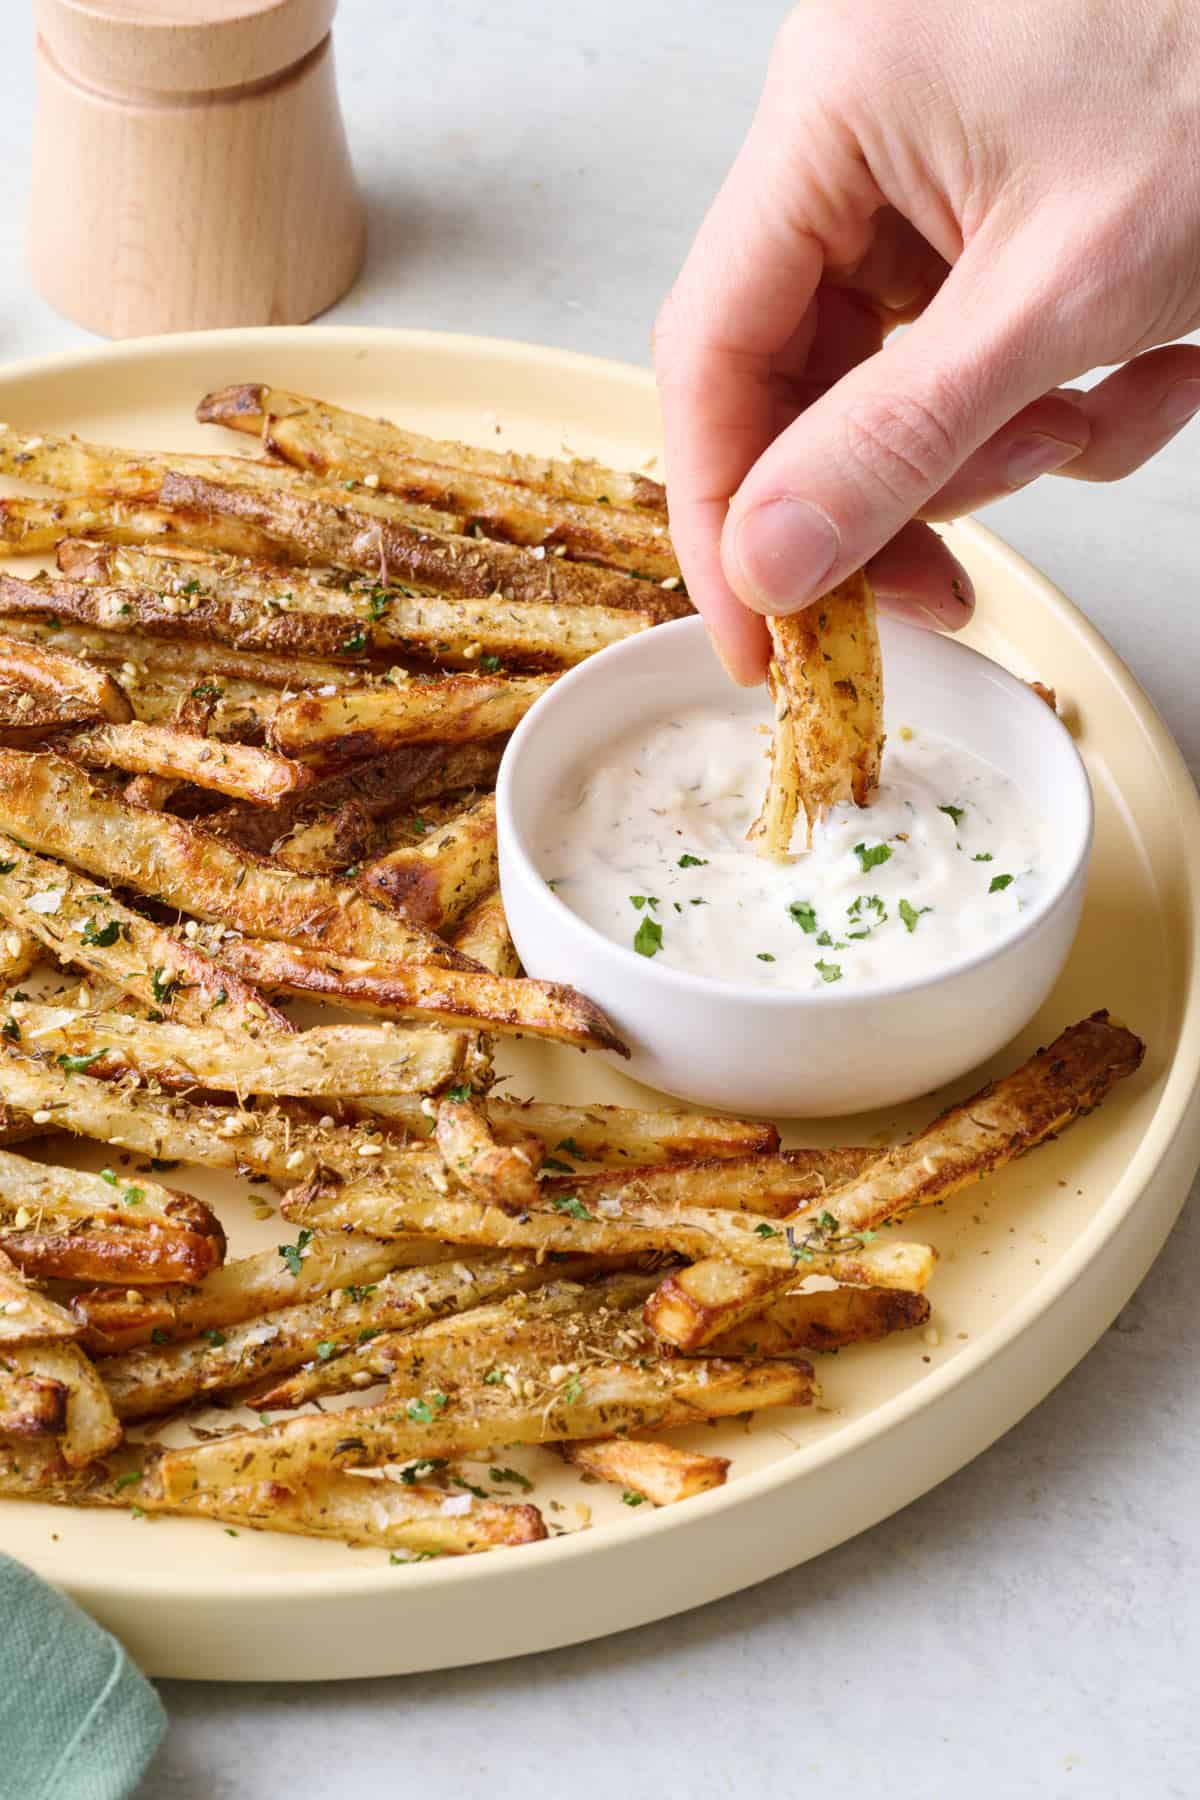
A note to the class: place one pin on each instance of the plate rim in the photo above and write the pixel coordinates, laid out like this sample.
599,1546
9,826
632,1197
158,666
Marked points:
1179,1095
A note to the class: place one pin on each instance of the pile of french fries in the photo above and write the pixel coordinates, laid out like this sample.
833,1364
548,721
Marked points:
249,730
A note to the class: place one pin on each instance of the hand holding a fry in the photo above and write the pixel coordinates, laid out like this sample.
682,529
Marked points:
923,165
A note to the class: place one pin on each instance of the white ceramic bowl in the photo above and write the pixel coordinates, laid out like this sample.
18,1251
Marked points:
805,1054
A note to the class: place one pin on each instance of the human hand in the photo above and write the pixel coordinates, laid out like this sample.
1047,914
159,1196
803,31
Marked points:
1019,181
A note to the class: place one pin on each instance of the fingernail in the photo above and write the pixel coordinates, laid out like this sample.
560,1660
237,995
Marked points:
1181,402
1030,457
783,550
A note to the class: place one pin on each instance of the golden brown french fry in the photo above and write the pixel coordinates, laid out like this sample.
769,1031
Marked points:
382,787
259,776
155,1379
91,469
374,1511
616,1135
91,1427
26,1316
67,687
660,1473
74,1195
338,445
182,664
514,1330
278,1141
252,405
595,1400
541,1009
31,1405
826,683
501,1174
391,1204
55,809
966,1143
377,1513
34,526
328,1060
114,1319
436,882
268,607
826,1320
482,934
357,721
330,845
81,923
320,530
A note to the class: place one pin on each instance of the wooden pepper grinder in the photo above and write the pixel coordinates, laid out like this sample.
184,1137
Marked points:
190,167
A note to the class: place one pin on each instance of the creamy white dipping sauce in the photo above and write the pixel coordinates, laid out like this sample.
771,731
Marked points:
650,848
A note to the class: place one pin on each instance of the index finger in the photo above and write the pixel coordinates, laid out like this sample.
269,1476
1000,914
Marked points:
743,297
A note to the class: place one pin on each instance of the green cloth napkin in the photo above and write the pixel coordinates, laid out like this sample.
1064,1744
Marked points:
77,1720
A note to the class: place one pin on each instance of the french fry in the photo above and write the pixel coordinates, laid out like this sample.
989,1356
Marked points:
965,1144
482,934
154,1379
114,1319
540,1009
83,924
276,1142
501,1174
377,1513
328,1060
438,881
372,1511
596,1401
329,442
826,685
381,787
259,776
180,1237
31,1405
27,1316
56,810
660,1473
514,1330
66,687
357,721
34,526
90,1427
265,607
320,530
330,845
91,469
252,405
178,663
828,1320
391,1204
615,1135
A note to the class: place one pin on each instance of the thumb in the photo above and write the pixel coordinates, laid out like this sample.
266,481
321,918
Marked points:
865,457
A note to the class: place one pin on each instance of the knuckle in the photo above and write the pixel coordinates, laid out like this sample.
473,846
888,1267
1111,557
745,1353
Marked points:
902,443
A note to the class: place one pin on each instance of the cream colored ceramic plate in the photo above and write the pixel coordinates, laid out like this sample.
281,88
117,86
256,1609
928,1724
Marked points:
1034,1266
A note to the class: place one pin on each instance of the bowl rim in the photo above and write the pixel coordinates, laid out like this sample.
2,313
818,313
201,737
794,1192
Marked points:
514,850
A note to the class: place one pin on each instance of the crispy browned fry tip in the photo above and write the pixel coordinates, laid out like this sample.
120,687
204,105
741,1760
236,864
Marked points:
504,1174
660,1473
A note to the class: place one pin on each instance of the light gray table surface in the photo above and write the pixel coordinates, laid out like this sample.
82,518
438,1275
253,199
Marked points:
1031,1628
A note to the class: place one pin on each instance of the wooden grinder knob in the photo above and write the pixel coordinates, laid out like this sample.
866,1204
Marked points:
190,167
